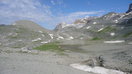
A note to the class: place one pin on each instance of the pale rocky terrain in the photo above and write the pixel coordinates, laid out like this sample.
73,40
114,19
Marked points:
15,61
18,61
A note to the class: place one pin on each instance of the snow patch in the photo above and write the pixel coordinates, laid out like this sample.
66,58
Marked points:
66,25
40,31
25,50
51,36
117,41
100,29
105,16
73,25
121,16
36,39
98,70
116,21
94,22
88,27
83,20
70,38
44,42
113,14
60,37
81,38
112,34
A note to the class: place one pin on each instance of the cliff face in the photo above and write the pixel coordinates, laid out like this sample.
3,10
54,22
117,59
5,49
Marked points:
130,8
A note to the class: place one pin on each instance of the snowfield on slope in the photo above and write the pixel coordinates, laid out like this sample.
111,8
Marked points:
116,41
98,70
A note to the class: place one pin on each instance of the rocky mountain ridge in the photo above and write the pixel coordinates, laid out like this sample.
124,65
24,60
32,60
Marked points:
109,25
130,8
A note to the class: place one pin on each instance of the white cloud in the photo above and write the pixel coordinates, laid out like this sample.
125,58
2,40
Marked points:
56,2
25,9
12,10
52,2
75,15
85,13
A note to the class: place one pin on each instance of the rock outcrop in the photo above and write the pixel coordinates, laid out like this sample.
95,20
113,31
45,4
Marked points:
130,8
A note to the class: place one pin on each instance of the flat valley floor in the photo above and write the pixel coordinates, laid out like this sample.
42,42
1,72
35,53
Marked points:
16,61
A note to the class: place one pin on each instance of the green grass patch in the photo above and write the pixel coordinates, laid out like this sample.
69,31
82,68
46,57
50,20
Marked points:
96,38
107,29
51,47
127,34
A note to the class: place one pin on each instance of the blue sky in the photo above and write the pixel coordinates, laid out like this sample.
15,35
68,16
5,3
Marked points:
48,13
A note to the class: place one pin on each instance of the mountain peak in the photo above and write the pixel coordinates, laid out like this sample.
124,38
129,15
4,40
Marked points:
24,23
130,8
28,25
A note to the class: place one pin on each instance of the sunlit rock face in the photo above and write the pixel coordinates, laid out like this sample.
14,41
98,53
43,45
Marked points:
130,8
